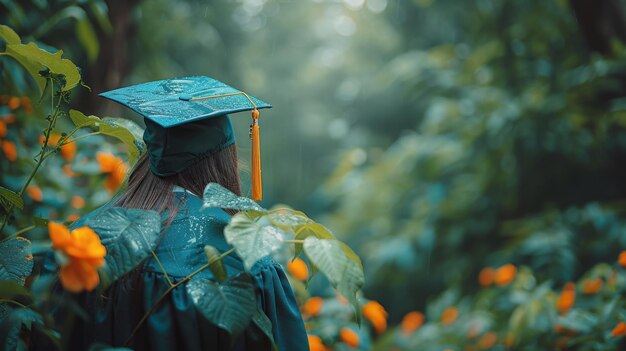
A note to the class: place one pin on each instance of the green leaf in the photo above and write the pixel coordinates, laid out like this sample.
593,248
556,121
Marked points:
81,121
11,197
286,218
131,126
11,326
35,59
264,325
217,267
304,231
16,261
10,289
110,127
342,271
9,36
122,134
128,235
230,306
253,239
216,195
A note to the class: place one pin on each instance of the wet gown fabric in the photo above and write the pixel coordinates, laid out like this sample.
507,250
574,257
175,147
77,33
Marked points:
175,324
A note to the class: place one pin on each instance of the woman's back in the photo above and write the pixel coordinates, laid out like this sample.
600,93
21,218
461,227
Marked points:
175,323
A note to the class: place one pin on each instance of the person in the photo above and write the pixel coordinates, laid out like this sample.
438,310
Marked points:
187,148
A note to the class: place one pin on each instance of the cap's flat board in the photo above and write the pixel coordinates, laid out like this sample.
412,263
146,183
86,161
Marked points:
160,100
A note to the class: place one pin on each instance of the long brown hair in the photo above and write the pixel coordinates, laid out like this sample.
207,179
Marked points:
148,191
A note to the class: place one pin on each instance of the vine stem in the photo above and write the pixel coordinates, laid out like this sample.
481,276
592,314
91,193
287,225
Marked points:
293,241
169,290
23,230
13,302
80,137
55,111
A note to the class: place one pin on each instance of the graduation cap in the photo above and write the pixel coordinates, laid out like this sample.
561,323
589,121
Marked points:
187,119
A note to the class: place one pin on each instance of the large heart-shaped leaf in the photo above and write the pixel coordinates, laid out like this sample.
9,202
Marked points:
216,195
306,230
287,218
16,260
253,239
230,305
344,273
128,235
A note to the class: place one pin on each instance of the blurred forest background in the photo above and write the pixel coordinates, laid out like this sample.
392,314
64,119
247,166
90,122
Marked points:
437,137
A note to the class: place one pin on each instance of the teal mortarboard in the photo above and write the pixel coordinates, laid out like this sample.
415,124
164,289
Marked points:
187,120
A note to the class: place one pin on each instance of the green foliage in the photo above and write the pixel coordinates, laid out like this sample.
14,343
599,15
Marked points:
252,238
128,235
8,197
343,269
16,261
113,128
11,326
229,305
35,60
255,235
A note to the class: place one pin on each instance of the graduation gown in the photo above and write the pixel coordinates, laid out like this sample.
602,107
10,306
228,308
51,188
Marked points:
175,324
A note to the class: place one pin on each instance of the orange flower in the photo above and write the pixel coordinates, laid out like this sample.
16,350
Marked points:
26,104
298,269
10,150
313,306
8,119
592,286
412,321
73,217
486,275
85,253
315,343
505,274
68,151
67,170
566,298
107,161
3,129
77,202
622,259
349,337
488,340
114,167
14,103
35,193
376,314
619,330
449,315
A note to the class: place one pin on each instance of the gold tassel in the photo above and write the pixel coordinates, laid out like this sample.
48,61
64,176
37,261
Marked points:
257,187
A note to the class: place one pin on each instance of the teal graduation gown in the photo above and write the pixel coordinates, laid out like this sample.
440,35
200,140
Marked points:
175,324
